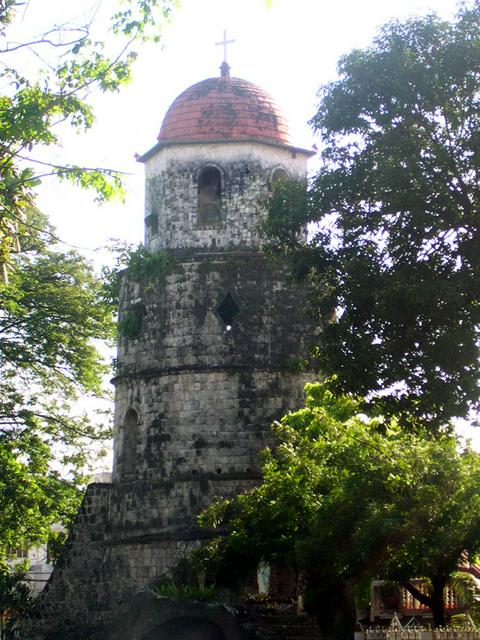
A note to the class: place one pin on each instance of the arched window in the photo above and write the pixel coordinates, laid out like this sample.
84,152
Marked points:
131,418
279,175
130,441
209,196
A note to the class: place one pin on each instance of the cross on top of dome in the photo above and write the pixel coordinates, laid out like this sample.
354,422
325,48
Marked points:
224,42
225,67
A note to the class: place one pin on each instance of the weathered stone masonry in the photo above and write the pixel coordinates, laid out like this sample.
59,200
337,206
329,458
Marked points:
206,396
213,359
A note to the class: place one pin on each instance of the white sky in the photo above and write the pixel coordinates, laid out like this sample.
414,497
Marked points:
289,48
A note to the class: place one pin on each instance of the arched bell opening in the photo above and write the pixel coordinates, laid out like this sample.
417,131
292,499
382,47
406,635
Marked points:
210,196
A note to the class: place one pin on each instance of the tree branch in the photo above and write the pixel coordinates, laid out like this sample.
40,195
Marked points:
45,40
62,167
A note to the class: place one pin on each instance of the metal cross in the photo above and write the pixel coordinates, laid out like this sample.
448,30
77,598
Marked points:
224,42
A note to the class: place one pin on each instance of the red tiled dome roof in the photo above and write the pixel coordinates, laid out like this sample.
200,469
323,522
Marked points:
223,108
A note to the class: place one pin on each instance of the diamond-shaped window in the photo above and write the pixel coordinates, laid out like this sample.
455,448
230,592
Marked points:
228,310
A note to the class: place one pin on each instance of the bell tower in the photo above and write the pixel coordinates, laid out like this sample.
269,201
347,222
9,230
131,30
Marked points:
211,337
200,383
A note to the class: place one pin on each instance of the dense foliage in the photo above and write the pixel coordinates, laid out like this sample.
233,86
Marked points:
34,108
53,309
15,598
374,484
395,207
346,498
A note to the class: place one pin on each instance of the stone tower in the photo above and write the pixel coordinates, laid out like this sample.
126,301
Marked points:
206,358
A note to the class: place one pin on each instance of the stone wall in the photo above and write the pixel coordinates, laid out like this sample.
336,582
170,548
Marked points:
199,400
124,538
70,598
246,170
212,350
205,393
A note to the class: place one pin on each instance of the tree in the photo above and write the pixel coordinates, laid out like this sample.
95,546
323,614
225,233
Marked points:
15,598
346,498
395,213
34,109
53,309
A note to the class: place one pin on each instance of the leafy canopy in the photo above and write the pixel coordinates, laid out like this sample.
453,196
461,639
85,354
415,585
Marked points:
36,107
53,309
395,213
347,498
15,598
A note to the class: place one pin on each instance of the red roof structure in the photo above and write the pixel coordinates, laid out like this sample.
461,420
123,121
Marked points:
224,108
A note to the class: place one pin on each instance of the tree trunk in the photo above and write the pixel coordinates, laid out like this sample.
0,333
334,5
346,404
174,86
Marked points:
434,601
438,603
423,598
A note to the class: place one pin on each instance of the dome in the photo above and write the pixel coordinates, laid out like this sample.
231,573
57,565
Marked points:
224,108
